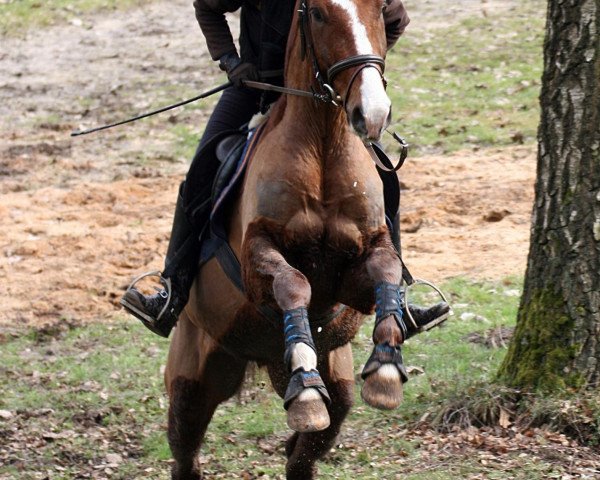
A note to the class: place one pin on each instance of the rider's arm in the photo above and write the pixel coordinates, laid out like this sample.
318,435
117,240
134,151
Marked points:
396,19
211,18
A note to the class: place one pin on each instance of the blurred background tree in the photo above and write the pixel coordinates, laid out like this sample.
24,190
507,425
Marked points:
557,341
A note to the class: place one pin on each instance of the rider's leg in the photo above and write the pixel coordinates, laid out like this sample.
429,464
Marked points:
159,312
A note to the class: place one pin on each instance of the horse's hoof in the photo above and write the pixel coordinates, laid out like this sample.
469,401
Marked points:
308,413
383,388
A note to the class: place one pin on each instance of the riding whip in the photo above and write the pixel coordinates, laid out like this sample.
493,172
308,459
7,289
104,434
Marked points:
154,112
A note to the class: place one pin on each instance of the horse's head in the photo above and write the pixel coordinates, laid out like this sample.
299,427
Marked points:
347,41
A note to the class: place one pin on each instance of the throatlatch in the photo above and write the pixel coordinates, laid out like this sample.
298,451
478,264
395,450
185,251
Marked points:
297,330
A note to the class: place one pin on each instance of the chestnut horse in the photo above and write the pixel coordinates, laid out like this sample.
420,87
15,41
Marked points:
309,230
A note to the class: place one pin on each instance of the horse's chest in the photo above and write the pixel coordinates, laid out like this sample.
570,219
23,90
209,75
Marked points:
338,218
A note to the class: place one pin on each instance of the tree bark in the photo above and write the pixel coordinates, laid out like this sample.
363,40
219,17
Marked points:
557,339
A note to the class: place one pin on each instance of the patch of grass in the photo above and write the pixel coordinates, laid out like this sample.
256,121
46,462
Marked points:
471,85
79,395
577,414
21,15
96,390
449,361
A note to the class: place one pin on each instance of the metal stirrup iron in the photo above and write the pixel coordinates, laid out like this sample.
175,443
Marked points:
166,293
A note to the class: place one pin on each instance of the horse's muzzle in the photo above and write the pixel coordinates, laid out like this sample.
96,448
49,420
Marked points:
369,127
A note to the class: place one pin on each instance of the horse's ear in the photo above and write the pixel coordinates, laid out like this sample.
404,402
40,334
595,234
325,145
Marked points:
302,26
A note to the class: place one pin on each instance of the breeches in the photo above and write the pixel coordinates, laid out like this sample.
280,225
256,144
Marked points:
234,109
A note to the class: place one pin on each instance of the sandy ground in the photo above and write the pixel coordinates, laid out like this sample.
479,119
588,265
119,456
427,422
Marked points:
82,216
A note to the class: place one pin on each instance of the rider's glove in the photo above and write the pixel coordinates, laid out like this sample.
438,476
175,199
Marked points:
237,71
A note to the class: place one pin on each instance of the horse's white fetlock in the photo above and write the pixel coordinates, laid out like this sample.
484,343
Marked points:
304,357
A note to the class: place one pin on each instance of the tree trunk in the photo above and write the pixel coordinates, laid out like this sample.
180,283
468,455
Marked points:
557,339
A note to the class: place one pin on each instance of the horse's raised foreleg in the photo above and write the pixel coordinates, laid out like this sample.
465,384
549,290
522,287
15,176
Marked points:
304,449
379,278
267,275
198,377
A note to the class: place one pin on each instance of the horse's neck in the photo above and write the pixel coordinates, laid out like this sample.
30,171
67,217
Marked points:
319,127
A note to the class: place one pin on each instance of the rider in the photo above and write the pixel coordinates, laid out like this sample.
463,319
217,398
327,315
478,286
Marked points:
264,27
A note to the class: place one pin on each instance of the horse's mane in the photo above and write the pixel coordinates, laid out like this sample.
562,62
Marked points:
278,108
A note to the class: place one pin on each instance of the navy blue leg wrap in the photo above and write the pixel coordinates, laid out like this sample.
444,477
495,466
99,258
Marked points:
389,300
385,354
296,330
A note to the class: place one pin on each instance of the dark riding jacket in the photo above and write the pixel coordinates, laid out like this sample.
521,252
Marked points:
264,28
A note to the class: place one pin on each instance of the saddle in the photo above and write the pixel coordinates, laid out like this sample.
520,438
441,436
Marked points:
232,151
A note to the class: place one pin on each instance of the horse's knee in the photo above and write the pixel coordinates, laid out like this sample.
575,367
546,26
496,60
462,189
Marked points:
291,289
266,272
384,265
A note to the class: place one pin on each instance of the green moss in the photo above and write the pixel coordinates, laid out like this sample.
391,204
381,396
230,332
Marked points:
540,354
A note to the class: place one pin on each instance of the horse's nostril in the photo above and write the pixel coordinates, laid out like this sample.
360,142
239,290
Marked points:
388,120
358,121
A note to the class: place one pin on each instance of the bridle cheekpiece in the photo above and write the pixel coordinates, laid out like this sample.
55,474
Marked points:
326,93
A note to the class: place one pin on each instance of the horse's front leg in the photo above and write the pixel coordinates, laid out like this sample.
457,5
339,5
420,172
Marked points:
379,278
267,275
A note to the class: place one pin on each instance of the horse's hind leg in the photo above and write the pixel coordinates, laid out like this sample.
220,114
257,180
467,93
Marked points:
267,275
198,377
304,449
379,279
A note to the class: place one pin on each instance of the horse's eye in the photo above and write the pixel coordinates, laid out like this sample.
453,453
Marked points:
317,15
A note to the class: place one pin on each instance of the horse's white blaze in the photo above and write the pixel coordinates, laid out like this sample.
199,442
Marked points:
374,101
361,38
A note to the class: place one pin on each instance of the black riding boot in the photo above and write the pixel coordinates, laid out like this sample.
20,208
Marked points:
425,318
159,312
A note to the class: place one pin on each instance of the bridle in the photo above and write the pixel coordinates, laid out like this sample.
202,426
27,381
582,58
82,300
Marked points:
326,92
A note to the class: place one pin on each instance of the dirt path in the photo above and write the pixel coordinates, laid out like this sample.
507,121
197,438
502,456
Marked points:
82,216
70,252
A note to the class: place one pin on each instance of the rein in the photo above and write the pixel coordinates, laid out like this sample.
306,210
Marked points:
76,133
